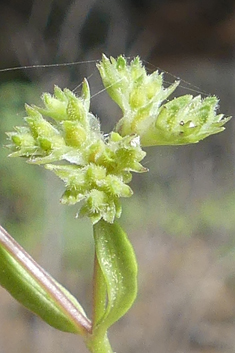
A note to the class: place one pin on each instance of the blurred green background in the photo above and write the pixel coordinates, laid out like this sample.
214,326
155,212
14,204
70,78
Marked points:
181,218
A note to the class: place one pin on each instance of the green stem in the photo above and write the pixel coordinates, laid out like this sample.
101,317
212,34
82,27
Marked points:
97,341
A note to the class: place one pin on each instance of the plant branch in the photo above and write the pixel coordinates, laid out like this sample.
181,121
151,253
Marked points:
45,281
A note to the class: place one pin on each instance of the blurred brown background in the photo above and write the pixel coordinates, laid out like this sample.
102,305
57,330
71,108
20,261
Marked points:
181,218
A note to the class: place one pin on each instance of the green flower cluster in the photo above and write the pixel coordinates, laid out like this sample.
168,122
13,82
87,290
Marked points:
181,121
96,169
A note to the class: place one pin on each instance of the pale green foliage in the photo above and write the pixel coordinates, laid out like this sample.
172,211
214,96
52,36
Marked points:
181,121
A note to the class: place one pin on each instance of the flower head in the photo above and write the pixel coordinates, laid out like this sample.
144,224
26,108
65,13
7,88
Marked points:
95,169
146,112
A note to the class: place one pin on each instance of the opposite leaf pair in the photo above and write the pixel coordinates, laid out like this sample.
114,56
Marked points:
115,286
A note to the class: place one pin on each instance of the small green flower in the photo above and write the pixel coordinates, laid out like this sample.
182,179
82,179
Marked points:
97,168
182,121
130,86
141,97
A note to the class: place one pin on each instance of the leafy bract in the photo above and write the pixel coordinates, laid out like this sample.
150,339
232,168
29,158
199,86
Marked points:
118,265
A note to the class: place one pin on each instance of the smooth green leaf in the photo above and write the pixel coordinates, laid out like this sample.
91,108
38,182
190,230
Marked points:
28,283
117,262
99,294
